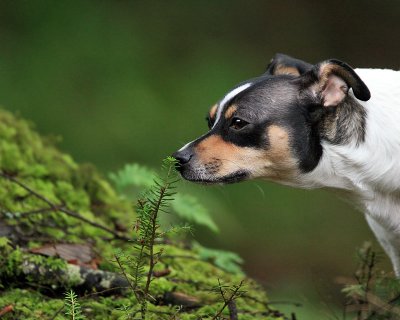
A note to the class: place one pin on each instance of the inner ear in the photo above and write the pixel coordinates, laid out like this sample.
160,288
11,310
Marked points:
334,91
331,80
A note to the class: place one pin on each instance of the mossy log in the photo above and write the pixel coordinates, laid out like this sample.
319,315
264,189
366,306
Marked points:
52,208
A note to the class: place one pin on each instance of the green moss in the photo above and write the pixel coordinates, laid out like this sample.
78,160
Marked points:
29,305
37,163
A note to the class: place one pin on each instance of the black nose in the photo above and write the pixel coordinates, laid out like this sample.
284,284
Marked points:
183,156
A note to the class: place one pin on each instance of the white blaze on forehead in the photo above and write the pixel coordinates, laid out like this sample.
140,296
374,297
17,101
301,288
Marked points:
189,143
186,145
221,105
228,97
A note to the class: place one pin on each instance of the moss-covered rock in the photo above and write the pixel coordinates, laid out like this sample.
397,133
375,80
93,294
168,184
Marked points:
39,188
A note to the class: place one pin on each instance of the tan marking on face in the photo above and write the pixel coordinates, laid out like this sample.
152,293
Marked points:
213,111
282,69
225,155
279,143
275,163
230,111
214,147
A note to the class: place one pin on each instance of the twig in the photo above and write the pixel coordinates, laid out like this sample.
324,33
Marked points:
293,303
232,297
139,258
124,273
27,213
42,210
370,266
55,207
233,313
58,312
88,295
154,215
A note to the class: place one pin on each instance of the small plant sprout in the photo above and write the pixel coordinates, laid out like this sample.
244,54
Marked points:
229,294
73,309
147,227
372,294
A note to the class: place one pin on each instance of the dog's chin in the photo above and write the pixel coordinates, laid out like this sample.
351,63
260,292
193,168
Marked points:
210,180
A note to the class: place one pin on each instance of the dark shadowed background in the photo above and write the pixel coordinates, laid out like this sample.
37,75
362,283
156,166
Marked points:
131,81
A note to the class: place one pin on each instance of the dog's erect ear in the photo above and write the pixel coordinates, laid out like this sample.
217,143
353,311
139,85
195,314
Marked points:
331,80
283,64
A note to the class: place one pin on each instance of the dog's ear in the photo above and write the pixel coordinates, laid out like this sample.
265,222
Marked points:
283,64
330,81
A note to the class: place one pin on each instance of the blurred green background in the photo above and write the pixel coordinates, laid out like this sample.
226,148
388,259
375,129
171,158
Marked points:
131,81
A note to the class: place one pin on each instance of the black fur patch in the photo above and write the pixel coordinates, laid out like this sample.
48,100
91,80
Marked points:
275,101
278,100
286,61
287,101
344,123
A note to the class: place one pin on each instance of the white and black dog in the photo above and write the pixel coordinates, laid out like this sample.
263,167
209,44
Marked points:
310,126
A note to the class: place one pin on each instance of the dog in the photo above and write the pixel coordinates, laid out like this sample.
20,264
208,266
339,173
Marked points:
310,126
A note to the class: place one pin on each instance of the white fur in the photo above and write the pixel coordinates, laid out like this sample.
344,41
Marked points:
186,145
370,171
230,95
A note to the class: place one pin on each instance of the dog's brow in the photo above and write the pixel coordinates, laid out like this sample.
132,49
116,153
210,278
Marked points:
229,96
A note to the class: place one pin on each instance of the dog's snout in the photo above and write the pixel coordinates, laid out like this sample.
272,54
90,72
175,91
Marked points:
183,156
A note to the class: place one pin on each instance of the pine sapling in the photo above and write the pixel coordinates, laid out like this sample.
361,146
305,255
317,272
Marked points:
151,204
229,294
73,309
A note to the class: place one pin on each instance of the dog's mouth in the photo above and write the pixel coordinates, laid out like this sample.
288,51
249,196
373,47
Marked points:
227,179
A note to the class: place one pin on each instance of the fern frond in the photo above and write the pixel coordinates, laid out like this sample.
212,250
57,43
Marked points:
132,175
186,207
226,260
190,209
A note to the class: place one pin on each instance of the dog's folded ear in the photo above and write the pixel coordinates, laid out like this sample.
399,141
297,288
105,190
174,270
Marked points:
283,64
330,81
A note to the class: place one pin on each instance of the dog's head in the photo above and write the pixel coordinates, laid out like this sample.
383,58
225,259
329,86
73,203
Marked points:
271,126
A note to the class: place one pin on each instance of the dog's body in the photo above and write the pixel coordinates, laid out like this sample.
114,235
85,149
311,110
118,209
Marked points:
299,125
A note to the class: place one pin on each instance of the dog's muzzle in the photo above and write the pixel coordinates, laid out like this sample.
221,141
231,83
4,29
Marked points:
183,157
188,167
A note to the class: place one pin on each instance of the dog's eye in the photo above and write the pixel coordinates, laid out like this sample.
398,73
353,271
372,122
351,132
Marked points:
238,123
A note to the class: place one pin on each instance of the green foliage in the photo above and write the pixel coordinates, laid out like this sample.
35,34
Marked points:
132,175
37,163
4,243
72,306
228,293
185,206
15,262
374,295
138,266
190,209
30,305
30,222
10,263
225,260
156,200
